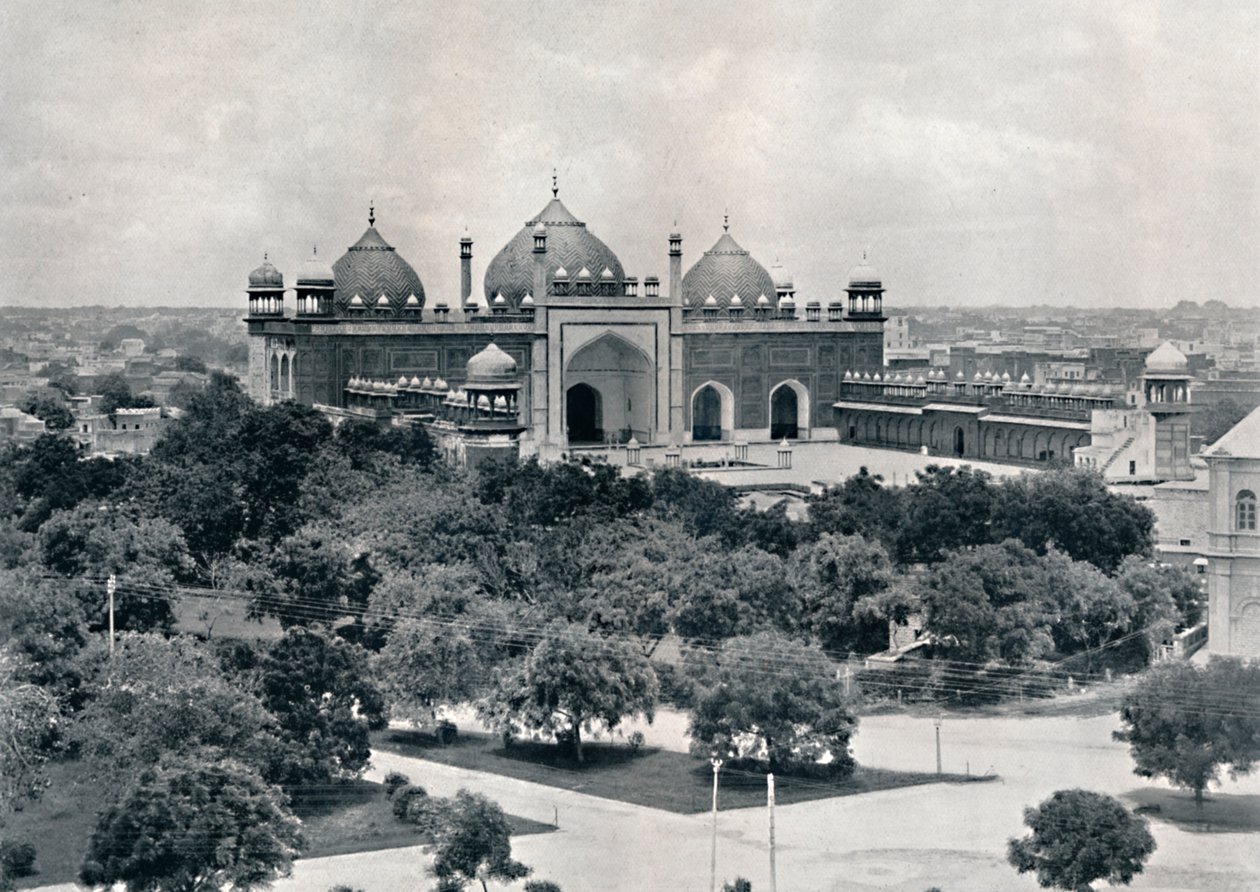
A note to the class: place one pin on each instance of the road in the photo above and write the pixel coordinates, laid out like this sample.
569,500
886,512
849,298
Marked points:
903,840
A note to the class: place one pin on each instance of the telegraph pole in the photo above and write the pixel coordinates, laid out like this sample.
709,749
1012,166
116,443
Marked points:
110,586
717,766
770,803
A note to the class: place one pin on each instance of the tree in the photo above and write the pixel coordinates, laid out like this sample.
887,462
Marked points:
990,603
193,826
55,414
321,692
726,593
1187,723
28,715
862,505
190,364
473,843
1213,421
774,702
116,394
425,665
570,680
161,698
841,579
1073,510
1079,837
147,554
945,509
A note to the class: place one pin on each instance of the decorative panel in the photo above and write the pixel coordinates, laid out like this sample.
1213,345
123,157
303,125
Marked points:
723,358
827,357
751,358
789,356
413,361
372,362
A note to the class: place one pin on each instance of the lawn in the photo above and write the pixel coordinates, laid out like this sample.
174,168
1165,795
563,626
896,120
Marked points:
352,818
652,777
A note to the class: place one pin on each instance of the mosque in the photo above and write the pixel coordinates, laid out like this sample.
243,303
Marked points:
563,349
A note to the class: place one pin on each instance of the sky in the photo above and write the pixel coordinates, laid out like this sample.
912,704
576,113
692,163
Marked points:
1094,154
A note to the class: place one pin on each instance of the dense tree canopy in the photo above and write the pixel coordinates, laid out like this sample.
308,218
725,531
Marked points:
322,693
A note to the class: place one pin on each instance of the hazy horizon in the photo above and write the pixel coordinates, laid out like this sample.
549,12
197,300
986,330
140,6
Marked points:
989,154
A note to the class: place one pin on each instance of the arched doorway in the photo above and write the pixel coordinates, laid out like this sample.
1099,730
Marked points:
783,414
789,411
623,380
582,414
706,414
960,442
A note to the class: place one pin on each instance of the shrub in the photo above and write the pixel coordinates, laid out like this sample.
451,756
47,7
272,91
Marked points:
635,741
739,884
447,732
17,859
393,781
541,886
403,796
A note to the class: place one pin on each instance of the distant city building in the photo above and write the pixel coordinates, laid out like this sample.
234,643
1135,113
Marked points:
1234,540
17,426
726,351
126,432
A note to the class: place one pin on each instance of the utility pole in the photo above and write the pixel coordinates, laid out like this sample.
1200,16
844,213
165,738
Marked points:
937,721
110,586
717,766
770,802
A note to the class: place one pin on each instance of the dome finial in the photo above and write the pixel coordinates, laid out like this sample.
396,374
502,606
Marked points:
314,250
726,220
372,214
555,184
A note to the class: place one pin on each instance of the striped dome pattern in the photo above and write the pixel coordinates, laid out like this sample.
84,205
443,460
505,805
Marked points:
724,271
570,245
370,268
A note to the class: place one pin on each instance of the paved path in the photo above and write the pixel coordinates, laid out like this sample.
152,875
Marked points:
893,841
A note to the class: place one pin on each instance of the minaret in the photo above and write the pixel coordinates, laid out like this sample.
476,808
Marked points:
677,418
465,269
675,269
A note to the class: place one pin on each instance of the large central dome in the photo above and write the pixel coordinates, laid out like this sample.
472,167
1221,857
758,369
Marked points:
569,245
724,271
370,269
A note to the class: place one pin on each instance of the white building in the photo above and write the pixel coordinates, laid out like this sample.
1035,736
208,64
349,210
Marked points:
1234,540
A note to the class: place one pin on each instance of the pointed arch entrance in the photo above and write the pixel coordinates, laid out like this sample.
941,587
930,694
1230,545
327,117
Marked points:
960,442
583,414
712,412
609,392
789,411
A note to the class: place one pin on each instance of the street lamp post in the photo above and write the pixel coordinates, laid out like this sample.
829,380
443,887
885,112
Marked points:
717,766
937,721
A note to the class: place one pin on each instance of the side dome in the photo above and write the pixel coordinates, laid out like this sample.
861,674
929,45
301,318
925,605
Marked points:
726,270
371,267
864,275
266,276
1167,358
570,245
315,272
492,367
